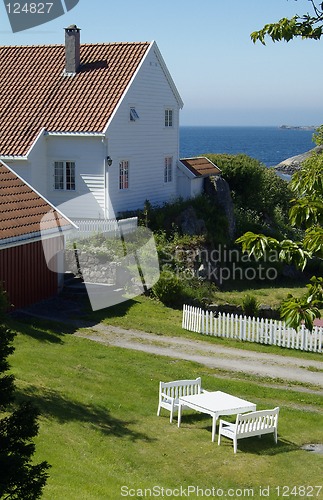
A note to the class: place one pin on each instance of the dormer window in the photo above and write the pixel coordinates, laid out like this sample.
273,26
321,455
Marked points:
133,115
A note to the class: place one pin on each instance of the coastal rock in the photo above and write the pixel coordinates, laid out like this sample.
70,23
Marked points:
293,164
190,223
218,187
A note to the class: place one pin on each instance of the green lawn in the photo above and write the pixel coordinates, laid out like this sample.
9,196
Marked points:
100,432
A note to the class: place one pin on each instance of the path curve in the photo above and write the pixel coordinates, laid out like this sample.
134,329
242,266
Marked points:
275,366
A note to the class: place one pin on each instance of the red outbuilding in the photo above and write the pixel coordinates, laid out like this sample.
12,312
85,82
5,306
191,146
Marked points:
25,240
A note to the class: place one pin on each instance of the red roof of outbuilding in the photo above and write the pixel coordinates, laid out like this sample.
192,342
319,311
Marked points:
200,166
35,93
22,209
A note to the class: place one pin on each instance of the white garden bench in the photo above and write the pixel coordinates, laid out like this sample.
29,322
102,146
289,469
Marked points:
170,392
255,423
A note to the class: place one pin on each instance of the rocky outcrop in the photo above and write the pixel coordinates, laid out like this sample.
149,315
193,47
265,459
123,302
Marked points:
219,189
293,164
189,223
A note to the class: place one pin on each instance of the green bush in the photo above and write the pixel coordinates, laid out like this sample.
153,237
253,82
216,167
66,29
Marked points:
255,188
250,305
168,288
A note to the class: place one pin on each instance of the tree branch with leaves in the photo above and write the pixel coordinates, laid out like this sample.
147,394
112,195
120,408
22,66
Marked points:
309,25
306,213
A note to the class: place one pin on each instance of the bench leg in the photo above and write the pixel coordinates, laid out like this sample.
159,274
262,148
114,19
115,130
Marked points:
179,417
158,411
214,419
235,444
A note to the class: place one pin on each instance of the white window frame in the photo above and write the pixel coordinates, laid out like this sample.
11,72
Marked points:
168,169
66,179
123,175
169,117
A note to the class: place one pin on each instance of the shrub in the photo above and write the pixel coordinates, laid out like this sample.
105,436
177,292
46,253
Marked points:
255,188
250,305
168,288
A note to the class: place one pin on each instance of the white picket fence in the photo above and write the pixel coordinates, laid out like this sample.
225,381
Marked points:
111,227
262,331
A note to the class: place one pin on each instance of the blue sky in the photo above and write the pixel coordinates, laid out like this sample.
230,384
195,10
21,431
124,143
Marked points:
223,78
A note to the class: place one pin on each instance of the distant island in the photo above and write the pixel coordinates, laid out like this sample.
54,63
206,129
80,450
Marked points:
298,127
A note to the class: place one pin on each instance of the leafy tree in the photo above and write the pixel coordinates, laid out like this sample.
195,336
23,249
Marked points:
307,186
254,188
307,213
318,136
19,479
309,25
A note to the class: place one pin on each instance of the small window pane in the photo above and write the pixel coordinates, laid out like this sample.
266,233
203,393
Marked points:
168,117
59,175
133,115
168,169
124,175
70,175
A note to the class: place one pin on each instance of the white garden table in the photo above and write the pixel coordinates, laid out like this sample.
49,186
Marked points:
215,404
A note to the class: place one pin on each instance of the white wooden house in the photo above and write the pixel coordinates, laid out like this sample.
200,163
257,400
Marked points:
99,118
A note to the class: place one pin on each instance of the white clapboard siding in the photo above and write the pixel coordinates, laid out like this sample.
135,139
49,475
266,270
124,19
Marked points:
260,330
95,184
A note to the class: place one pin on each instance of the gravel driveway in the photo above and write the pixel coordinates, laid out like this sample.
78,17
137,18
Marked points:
214,356
273,366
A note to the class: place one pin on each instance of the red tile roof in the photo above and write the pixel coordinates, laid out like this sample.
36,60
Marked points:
22,209
35,93
200,166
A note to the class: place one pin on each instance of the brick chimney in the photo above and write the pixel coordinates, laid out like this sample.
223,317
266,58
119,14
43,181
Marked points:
72,49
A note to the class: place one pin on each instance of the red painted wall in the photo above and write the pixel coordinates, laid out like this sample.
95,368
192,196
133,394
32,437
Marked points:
25,275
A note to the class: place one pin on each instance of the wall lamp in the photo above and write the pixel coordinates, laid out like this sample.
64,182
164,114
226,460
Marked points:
109,161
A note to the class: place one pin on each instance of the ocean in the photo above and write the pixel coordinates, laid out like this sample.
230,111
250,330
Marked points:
270,145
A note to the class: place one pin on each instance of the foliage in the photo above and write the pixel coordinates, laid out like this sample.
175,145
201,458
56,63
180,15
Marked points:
175,288
166,218
256,189
6,381
19,478
307,211
318,136
168,288
250,305
304,26
295,311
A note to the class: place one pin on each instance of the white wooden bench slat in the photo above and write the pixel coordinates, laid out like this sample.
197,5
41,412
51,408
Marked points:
170,392
250,424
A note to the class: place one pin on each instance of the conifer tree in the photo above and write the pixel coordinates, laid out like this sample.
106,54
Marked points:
20,479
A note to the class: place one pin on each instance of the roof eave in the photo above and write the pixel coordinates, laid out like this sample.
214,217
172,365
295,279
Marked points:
71,223
167,74
24,239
